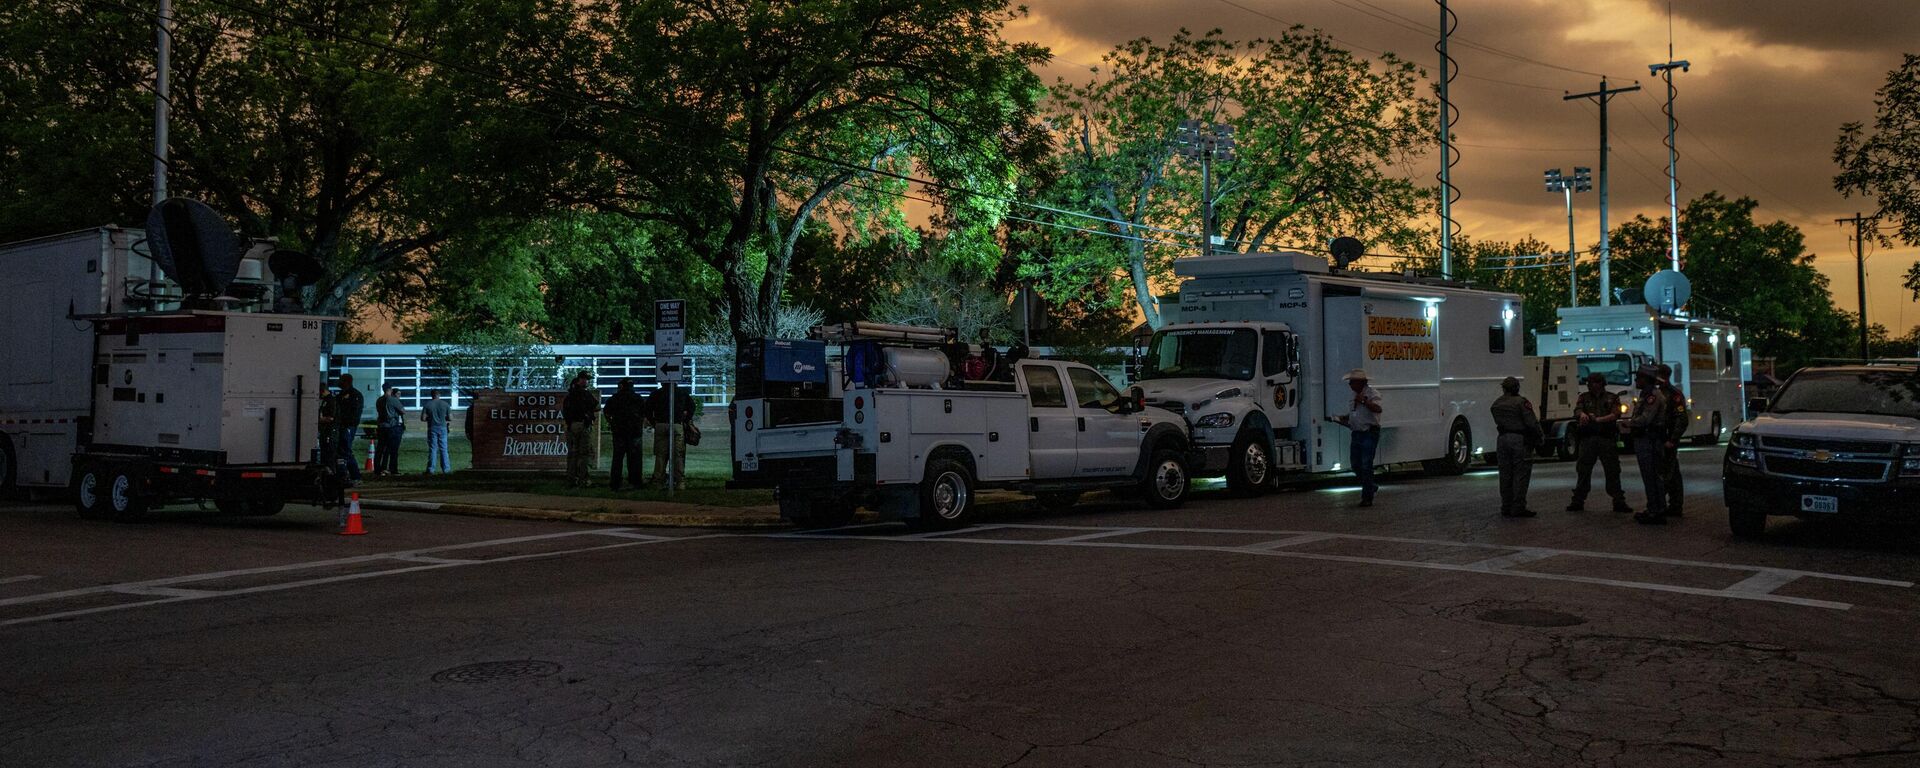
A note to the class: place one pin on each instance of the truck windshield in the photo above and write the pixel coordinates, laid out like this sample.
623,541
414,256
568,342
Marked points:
1202,353
1617,368
1879,393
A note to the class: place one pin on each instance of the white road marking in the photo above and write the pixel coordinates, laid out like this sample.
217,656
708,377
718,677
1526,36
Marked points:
166,592
1758,587
17,579
630,535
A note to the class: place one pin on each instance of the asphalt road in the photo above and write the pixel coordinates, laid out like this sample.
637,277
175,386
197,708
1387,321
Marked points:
1290,630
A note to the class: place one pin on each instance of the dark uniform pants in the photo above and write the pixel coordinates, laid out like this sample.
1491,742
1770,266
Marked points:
1650,451
1670,477
1516,471
626,456
1599,448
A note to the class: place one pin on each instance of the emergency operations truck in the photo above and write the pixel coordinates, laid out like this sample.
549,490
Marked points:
1709,365
108,387
1254,355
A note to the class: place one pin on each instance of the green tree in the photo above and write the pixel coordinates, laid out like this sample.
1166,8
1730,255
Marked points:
1760,276
1319,132
298,118
1884,163
740,123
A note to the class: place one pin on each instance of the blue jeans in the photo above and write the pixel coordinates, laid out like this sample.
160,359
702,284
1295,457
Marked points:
437,447
345,454
1366,443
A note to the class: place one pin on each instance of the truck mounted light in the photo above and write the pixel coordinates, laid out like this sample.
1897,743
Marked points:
1744,451
1215,421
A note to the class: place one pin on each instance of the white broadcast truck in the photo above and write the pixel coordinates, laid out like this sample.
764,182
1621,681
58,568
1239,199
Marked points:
1708,364
894,428
111,389
1254,355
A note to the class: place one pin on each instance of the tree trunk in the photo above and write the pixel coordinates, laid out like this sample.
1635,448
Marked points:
1142,284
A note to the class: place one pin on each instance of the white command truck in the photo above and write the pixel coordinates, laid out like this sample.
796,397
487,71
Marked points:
894,430
1709,365
112,391
1255,354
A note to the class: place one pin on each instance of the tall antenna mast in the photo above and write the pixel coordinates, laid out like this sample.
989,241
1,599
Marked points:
162,63
1448,116
1665,71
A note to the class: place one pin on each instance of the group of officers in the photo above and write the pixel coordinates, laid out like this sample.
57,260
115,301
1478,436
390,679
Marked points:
1652,425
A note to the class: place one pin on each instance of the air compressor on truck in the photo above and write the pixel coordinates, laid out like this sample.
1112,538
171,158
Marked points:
145,367
1254,351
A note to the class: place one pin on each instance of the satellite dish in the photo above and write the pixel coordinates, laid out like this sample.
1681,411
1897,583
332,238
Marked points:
194,246
1668,290
1346,250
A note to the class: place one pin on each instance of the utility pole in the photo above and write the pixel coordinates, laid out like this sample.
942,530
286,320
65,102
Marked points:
1580,181
163,62
1601,97
1860,271
1673,153
1447,191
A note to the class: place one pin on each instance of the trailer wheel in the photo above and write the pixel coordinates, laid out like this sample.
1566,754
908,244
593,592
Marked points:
946,496
1057,501
1459,451
89,491
1167,481
124,499
1249,464
261,508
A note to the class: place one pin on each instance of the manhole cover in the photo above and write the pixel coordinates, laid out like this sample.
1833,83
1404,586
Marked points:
493,671
1531,617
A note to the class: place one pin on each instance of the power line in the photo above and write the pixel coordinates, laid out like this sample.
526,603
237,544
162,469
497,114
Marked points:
1378,52
1407,23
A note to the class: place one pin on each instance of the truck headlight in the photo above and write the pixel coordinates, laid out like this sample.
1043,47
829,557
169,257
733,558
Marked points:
1220,420
1910,461
1744,450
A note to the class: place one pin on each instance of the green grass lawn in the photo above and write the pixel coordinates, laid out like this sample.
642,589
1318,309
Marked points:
709,466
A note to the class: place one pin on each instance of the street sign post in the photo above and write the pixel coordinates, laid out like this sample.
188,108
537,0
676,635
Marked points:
669,344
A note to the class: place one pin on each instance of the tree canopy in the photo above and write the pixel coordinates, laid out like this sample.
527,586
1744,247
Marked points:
1884,164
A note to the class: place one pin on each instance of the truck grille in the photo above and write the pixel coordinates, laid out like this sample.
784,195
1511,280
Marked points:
1836,446
1809,469
1178,408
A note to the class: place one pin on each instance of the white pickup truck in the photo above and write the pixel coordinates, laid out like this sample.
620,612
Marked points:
1057,430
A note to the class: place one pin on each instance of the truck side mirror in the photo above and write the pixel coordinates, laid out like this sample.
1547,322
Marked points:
1758,405
1139,398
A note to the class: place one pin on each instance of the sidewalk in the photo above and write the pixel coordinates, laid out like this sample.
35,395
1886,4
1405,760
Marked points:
579,509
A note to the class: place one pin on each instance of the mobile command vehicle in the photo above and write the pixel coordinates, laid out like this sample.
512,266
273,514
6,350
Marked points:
1255,352
1708,364
894,427
112,389
1836,442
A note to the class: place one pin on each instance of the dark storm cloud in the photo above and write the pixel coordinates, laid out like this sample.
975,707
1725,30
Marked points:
1845,25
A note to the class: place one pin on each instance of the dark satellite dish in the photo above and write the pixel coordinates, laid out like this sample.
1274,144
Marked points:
1668,290
194,246
293,271
1346,250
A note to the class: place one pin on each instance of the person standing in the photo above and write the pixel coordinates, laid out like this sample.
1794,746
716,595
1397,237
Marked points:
1596,431
391,426
1363,417
670,431
580,410
436,413
347,407
1519,429
626,415
1648,425
1679,417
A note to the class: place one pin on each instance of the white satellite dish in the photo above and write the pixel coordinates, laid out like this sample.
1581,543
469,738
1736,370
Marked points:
1668,290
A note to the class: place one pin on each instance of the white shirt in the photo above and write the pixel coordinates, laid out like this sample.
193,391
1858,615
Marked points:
1362,417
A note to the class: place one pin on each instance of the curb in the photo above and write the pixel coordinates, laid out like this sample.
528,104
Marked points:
594,517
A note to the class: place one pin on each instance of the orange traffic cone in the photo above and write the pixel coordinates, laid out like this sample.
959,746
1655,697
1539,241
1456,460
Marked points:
354,528
369,461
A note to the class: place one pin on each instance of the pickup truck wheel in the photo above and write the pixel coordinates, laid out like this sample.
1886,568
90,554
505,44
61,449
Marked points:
1057,501
1249,467
1167,481
123,499
946,496
89,492
1746,523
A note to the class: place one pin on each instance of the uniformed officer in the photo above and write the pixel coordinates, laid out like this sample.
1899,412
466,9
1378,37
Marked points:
1648,424
1519,431
1596,431
1679,417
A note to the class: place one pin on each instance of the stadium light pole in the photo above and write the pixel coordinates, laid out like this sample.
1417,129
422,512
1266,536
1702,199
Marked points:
1580,181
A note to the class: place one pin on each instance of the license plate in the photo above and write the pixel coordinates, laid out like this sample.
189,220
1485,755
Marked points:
750,464
1811,503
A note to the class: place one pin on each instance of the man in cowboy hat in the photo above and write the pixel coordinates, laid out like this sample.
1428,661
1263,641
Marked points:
1363,417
